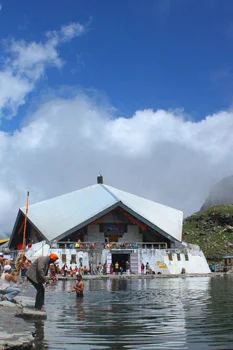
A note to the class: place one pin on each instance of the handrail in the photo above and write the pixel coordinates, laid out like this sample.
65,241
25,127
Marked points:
110,245
74,245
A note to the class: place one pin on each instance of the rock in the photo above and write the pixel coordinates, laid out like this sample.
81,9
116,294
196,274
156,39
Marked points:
13,341
25,301
8,304
32,314
15,333
229,229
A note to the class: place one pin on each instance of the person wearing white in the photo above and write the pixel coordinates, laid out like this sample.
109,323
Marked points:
8,292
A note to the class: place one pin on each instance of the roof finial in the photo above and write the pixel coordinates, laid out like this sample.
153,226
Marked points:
100,179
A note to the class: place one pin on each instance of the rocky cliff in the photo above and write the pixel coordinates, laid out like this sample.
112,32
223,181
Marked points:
212,230
221,193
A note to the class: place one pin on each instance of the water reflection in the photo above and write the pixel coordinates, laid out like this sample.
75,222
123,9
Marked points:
39,334
176,313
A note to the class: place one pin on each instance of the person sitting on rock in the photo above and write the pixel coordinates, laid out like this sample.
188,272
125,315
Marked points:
8,292
1,262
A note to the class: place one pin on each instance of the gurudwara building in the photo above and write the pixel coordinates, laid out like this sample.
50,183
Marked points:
103,224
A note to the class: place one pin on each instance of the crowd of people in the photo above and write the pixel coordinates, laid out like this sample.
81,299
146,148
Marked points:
100,269
43,269
39,273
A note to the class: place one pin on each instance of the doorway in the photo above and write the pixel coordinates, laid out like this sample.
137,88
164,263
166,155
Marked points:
121,259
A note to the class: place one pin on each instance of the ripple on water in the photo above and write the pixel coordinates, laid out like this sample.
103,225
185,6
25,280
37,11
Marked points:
182,313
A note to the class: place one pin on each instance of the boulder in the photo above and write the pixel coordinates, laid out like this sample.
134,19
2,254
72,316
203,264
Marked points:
28,313
7,303
25,301
15,332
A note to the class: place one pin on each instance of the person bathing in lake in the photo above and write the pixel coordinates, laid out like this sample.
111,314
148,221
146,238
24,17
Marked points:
79,287
52,272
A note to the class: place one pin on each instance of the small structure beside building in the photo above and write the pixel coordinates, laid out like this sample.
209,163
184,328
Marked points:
101,224
228,263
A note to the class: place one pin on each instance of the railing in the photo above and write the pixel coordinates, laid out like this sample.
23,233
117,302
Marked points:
111,245
74,245
137,245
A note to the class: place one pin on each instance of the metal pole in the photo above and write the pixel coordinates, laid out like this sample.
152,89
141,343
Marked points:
25,224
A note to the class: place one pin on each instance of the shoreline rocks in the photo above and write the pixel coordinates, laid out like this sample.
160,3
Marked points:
15,333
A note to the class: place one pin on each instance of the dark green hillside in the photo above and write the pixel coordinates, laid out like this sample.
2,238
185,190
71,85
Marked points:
212,230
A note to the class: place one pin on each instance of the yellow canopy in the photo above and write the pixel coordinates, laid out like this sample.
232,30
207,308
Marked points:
4,240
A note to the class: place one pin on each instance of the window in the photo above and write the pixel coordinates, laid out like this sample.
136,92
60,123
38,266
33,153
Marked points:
186,257
73,259
63,258
170,256
178,256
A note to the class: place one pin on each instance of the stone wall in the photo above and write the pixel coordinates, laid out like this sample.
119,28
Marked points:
193,261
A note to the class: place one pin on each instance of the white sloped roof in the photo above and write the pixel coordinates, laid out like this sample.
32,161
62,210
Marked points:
59,215
166,218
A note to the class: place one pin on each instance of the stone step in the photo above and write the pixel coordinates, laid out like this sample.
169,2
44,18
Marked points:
8,304
31,313
20,340
25,301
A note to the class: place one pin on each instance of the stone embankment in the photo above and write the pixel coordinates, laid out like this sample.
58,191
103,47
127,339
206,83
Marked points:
15,333
132,276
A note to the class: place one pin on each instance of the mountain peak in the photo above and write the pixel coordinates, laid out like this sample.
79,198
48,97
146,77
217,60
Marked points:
221,193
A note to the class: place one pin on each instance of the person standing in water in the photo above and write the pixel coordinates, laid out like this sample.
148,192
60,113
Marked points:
79,287
37,275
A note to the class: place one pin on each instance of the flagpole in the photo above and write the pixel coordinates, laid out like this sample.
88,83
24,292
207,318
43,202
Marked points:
25,224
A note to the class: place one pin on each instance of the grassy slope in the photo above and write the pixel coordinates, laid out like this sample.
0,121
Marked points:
211,230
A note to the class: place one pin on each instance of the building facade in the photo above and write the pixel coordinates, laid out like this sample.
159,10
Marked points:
101,224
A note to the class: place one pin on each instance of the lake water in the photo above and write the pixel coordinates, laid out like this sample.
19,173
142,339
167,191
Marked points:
162,313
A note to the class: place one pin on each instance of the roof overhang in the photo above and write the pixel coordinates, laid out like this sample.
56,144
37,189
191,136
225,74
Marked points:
4,240
148,223
21,213
123,206
14,228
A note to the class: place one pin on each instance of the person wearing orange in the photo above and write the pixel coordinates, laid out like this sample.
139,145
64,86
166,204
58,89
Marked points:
37,275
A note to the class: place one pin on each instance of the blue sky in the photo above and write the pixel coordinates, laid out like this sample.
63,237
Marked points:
139,90
140,54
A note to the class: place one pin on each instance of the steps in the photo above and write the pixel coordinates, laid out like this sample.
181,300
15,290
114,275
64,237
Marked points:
134,263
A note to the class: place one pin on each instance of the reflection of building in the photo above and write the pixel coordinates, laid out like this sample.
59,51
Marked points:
101,223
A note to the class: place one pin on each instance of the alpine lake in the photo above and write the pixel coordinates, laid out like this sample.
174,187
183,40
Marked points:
159,313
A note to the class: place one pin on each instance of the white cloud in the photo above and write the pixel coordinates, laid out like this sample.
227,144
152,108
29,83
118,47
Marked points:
155,154
65,142
67,33
26,64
